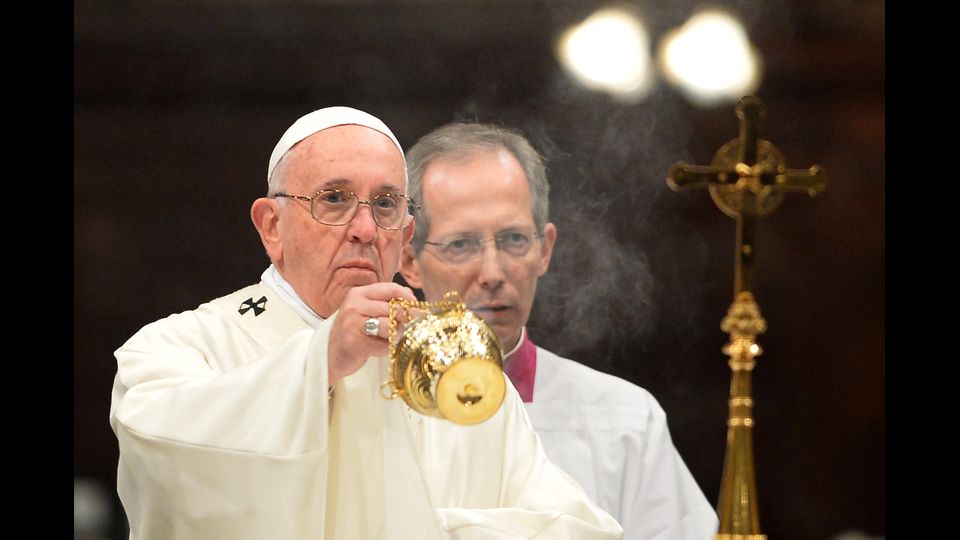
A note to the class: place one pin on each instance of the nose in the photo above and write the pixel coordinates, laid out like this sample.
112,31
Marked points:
362,227
491,271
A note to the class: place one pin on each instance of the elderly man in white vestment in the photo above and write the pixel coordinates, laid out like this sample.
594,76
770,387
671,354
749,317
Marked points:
257,415
483,231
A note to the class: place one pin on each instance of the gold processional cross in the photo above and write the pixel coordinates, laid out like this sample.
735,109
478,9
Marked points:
747,179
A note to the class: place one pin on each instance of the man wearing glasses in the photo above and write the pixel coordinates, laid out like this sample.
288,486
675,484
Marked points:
483,231
258,414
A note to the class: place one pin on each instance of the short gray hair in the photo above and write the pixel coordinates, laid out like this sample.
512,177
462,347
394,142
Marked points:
459,140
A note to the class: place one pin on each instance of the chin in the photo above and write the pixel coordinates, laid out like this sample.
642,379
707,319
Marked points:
359,277
502,332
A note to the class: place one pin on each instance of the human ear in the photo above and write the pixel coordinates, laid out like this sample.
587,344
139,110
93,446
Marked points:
266,219
546,248
410,267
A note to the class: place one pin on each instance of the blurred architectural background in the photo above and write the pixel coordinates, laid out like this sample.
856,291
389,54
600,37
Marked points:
178,104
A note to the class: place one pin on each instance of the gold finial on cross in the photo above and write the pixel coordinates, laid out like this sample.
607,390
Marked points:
747,179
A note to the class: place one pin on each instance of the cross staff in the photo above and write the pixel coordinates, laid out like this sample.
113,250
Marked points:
747,179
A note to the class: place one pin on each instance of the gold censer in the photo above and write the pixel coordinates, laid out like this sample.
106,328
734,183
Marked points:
446,363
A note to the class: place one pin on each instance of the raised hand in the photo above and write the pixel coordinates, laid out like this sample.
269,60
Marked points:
355,336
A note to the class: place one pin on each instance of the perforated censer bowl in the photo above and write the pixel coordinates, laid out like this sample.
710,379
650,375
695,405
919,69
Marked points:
450,365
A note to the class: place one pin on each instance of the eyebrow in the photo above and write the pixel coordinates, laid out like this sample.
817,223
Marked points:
473,234
346,184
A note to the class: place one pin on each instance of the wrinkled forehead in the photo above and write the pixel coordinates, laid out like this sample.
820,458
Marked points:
346,157
326,118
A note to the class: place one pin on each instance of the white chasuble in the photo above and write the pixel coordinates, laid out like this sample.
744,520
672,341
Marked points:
612,437
226,430
376,489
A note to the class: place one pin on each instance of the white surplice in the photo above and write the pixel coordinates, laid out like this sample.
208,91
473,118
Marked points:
612,437
226,430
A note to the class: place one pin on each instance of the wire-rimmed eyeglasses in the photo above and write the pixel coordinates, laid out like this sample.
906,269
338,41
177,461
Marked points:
513,242
337,207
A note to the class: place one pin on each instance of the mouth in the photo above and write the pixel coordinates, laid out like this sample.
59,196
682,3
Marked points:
359,265
491,310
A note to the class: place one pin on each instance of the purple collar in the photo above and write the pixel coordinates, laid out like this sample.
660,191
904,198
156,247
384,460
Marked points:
521,368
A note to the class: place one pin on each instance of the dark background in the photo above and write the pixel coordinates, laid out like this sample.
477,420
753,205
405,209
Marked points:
177,106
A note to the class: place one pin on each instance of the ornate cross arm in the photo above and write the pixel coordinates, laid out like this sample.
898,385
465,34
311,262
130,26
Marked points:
812,180
683,176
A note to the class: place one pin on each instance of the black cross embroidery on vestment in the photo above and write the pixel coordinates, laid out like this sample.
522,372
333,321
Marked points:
258,307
